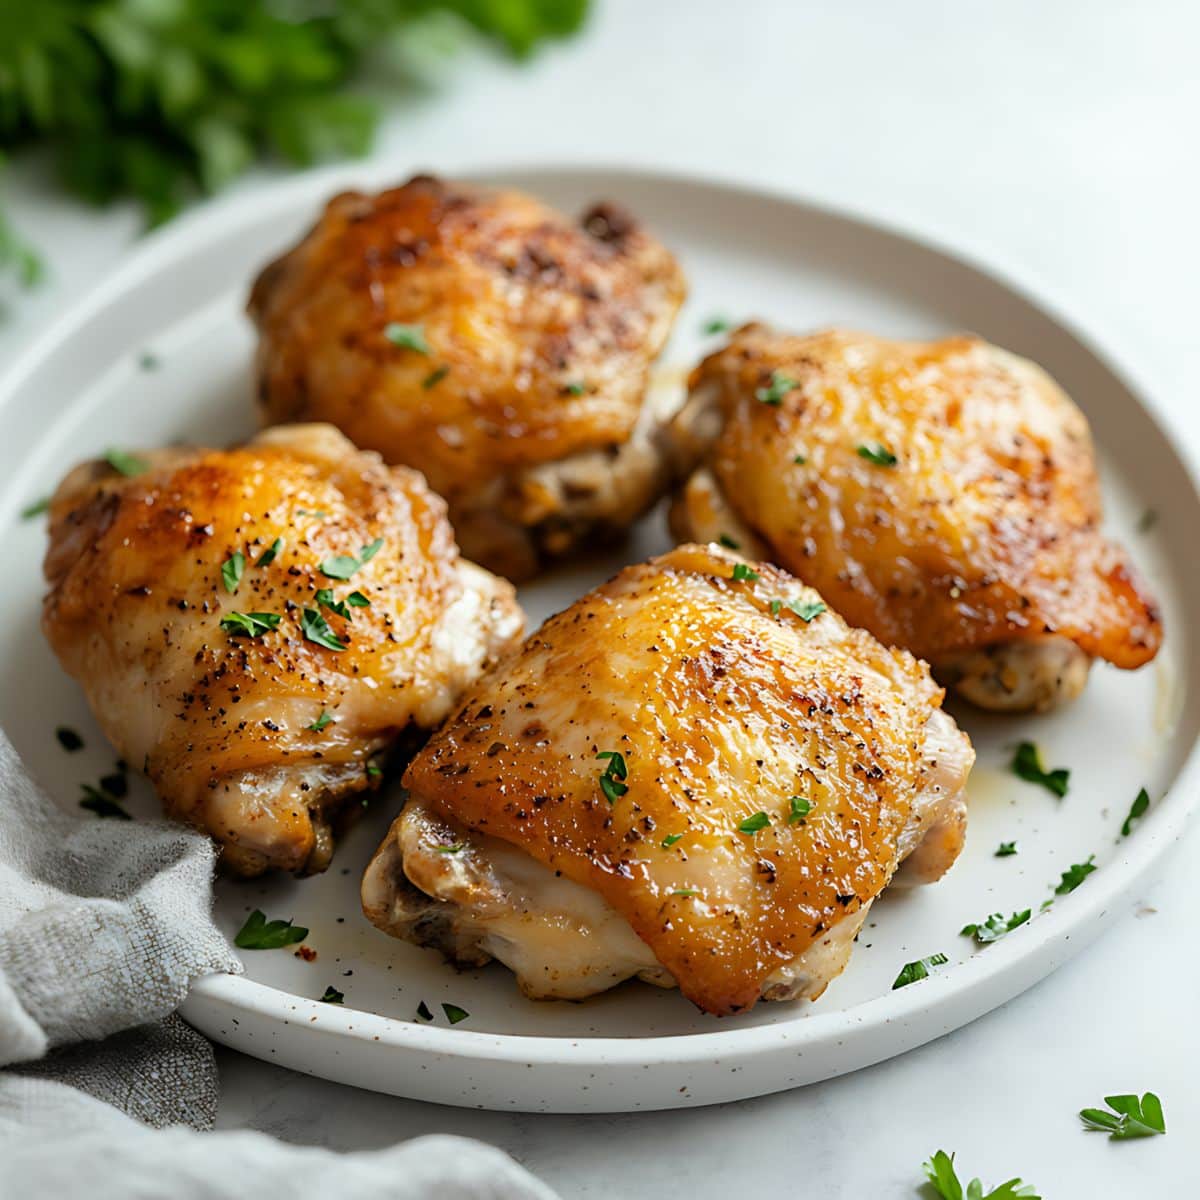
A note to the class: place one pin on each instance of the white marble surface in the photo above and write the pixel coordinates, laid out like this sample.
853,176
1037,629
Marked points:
1060,138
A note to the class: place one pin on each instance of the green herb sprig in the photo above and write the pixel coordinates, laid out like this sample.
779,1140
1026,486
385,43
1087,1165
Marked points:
260,934
1130,1118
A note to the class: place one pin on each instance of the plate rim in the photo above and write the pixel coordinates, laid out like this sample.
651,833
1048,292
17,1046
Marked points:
1082,913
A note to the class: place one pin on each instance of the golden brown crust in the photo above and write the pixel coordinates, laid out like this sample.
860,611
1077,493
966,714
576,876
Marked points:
135,604
721,709
541,333
987,528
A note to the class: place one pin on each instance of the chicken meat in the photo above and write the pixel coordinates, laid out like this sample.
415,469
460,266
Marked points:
696,775
942,495
254,628
487,340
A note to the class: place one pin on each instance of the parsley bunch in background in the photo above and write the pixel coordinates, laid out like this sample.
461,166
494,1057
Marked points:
162,100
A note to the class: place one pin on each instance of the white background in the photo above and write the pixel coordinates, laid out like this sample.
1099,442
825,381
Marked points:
1062,138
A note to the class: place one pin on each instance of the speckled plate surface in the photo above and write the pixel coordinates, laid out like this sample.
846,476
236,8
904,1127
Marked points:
162,352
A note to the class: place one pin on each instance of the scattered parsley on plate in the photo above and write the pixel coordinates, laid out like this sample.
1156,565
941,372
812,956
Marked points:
1137,810
715,325
912,971
260,934
68,739
1006,850
1027,765
35,509
1130,1118
102,803
423,1013
1074,875
268,555
940,1172
454,1014
342,566
995,927
744,573
333,996
321,722
670,840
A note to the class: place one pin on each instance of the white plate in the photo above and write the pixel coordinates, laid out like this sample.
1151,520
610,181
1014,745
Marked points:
83,388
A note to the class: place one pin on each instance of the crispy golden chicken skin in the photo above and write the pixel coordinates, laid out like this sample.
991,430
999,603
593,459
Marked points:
695,774
943,495
489,341
357,622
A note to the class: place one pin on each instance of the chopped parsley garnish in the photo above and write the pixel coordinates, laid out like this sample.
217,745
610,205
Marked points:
715,325
1074,875
743,572
798,809
753,823
342,566
1147,521
576,388
35,509
407,337
148,361
685,892
939,1170
728,542
877,454
251,625
321,722
268,555
435,377
670,840
611,780
995,927
1027,765
325,599
1006,850
454,1014
423,1013
68,739
115,785
374,771
260,934
358,600
316,629
775,391
126,464
455,848
806,610
1130,1118
102,804
333,996
800,459
231,571
912,971
318,514
1136,812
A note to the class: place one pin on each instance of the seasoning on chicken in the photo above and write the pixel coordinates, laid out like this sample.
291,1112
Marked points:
942,495
696,775
492,343
254,628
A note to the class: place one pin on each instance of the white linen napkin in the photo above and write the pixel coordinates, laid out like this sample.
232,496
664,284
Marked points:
103,925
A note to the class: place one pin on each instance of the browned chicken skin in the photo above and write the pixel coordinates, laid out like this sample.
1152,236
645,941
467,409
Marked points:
526,343
773,771
978,548
265,741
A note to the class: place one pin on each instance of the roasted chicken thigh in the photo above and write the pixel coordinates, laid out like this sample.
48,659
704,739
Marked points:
256,627
487,340
696,775
942,495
